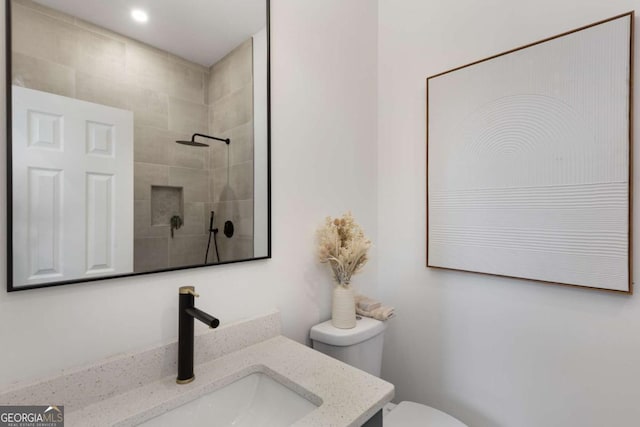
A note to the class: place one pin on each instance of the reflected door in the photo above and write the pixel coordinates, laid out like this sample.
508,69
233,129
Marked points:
63,231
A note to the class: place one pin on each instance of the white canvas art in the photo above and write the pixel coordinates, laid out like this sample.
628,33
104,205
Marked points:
528,161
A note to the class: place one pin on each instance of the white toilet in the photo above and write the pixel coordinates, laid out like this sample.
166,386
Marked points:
362,347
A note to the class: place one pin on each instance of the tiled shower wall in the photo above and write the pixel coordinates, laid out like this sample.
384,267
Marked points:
231,116
169,97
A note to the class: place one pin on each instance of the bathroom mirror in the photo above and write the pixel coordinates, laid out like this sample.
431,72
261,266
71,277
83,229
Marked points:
138,137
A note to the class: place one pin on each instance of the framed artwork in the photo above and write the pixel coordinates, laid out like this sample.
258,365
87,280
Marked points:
529,161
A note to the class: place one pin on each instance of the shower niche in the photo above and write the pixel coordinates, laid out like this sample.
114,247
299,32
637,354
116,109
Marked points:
166,204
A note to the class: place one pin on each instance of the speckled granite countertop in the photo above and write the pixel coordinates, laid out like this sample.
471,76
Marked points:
131,389
345,396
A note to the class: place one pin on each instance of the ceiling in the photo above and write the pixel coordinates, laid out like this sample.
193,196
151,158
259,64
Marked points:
201,31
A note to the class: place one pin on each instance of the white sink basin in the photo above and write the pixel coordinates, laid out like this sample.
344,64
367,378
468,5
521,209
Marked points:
253,401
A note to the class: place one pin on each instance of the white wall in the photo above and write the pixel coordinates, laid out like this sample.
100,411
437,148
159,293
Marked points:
323,146
491,351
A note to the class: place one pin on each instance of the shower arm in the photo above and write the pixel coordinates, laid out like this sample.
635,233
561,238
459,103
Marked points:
225,140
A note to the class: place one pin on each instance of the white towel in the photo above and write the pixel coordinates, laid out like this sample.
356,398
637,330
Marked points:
368,307
367,304
380,313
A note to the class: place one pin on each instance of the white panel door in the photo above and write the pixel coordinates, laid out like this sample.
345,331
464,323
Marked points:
72,188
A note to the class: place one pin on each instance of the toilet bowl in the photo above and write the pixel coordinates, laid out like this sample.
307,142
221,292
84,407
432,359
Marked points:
411,414
361,347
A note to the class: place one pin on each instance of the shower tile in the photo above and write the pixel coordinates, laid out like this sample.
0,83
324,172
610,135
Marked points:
224,249
186,80
141,48
235,248
241,178
242,65
40,74
240,212
141,218
146,66
189,117
150,108
101,90
145,175
194,181
150,254
241,148
233,110
224,212
239,151
86,25
232,72
220,190
152,145
187,156
218,152
210,120
207,81
194,220
192,65
142,221
44,37
244,248
244,221
188,250
218,208
219,84
99,55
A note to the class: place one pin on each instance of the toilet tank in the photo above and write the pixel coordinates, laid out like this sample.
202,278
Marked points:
360,347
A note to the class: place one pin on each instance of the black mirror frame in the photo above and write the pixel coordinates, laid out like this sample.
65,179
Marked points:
9,175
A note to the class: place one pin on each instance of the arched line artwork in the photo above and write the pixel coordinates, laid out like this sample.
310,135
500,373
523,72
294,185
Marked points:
529,161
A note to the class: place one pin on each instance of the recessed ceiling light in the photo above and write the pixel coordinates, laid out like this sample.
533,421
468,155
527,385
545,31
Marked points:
139,15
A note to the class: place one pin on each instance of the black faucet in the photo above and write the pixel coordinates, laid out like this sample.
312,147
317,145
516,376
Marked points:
187,312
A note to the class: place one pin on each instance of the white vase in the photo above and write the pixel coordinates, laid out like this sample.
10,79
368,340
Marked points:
343,309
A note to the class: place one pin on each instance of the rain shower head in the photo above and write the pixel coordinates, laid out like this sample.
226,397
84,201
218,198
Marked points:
193,142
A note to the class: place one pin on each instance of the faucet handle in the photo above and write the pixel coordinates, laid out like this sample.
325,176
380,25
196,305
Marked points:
189,290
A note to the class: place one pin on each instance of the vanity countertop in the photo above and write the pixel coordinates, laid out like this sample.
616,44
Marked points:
345,396
131,388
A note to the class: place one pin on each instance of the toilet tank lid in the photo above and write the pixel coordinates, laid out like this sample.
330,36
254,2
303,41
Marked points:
365,329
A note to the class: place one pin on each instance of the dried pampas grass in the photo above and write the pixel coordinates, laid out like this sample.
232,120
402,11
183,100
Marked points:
343,245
